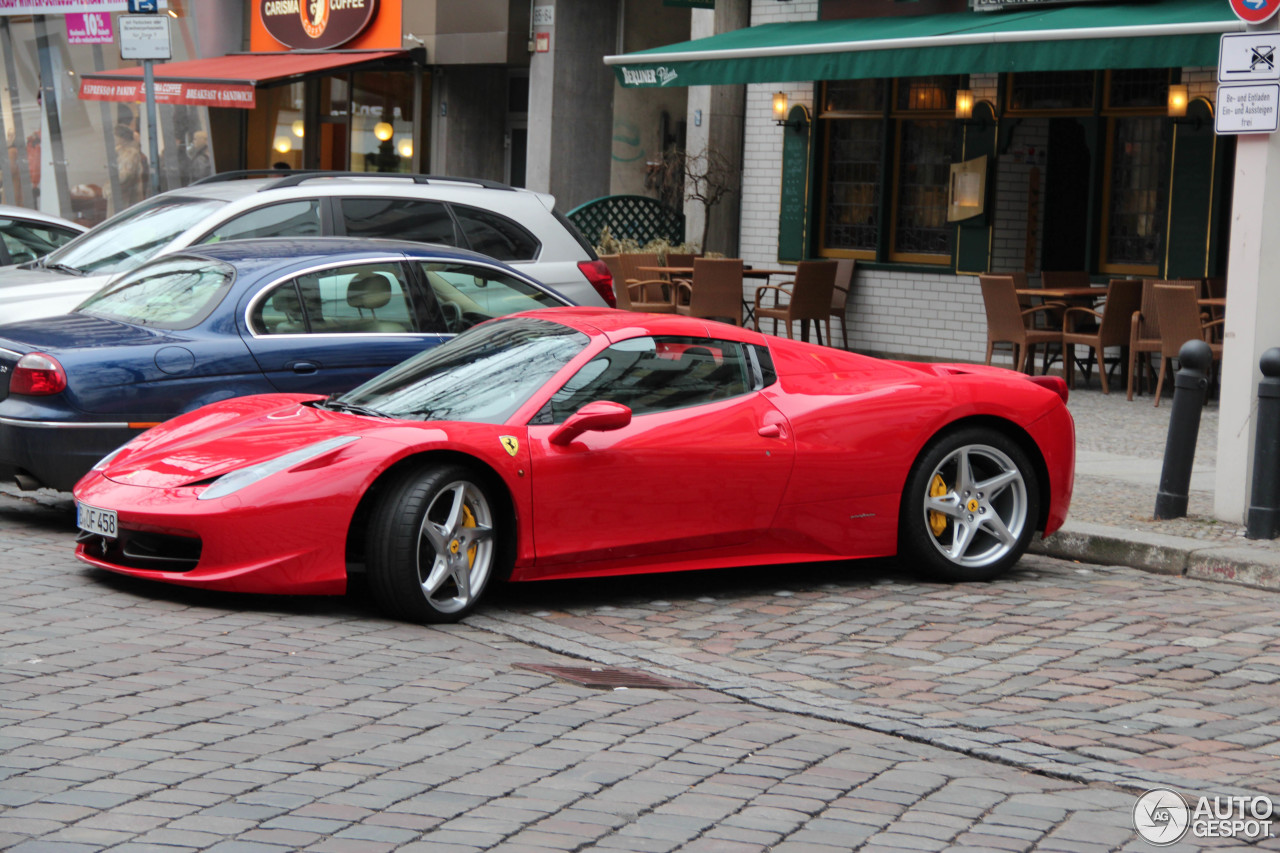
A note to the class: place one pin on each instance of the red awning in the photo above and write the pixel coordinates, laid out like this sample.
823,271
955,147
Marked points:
223,81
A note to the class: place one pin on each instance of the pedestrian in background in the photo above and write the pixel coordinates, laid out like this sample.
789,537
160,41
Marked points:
199,158
131,167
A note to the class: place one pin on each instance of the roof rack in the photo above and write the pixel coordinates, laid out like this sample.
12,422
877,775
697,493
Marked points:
243,174
293,177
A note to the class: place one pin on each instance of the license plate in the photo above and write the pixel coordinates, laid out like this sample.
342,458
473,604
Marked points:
94,520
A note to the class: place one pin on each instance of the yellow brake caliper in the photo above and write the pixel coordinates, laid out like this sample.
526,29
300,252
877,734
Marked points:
937,521
469,520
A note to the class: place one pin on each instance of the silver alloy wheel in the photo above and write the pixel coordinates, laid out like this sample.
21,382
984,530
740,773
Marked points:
977,507
455,546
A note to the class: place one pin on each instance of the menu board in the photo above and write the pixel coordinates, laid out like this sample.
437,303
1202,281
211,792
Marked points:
793,214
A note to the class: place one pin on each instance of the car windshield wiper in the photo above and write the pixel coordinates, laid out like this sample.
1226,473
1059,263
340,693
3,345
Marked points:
66,268
352,408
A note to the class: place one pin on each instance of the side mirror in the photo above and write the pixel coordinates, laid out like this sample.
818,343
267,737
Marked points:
600,416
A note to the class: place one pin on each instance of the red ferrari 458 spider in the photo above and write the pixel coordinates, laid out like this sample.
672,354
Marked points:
579,442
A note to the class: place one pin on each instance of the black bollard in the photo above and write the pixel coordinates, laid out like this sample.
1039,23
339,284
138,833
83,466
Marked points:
1263,521
1189,386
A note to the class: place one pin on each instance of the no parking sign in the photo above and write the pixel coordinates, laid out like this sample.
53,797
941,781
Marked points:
1254,11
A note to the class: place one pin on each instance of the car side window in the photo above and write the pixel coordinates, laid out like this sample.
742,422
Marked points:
398,218
27,241
468,294
288,219
353,299
496,236
655,374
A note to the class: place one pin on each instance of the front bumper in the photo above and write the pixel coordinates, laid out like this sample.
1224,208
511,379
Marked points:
290,546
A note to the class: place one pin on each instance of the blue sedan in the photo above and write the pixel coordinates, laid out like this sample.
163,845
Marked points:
313,315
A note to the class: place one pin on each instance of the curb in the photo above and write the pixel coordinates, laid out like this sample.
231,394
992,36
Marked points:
1163,554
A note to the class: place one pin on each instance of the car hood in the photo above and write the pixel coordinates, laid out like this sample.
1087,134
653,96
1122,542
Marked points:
227,436
29,293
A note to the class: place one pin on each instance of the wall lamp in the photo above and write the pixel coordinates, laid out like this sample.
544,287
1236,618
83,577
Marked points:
780,112
964,109
1178,101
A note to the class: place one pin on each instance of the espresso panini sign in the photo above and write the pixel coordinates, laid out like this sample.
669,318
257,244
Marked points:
316,24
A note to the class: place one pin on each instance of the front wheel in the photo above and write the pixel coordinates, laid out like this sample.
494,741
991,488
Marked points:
433,544
970,506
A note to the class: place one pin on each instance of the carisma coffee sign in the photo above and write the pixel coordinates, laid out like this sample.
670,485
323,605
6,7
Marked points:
316,23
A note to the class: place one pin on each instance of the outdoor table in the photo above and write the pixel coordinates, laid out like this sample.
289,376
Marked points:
747,272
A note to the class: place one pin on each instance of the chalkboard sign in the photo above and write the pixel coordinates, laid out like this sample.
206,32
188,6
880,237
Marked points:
793,215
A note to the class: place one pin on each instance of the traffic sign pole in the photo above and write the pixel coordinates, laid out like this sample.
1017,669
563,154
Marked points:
149,85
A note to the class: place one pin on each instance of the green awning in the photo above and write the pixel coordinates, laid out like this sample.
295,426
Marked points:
1164,34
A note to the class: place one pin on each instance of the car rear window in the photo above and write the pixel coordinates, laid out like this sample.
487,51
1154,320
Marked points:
496,236
172,293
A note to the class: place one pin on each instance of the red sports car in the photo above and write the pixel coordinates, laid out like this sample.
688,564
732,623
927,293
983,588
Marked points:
580,442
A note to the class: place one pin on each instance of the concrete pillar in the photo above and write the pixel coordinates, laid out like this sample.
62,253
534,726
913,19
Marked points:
1253,313
715,123
571,103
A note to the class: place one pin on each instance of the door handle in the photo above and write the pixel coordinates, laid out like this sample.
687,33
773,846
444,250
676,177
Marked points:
304,367
770,431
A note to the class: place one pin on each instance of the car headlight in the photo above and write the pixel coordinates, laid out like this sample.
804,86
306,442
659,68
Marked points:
237,480
106,460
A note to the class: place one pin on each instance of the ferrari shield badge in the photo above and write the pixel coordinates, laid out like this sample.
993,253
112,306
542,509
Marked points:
511,443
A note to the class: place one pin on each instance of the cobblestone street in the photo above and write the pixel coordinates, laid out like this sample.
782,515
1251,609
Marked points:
828,708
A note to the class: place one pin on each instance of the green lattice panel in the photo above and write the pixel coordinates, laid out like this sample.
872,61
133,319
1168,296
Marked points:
635,217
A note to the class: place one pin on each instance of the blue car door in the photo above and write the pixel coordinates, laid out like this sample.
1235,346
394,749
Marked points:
329,329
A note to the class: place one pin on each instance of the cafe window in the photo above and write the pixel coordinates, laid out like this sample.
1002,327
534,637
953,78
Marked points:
1136,197
1051,91
851,212
1138,89
914,119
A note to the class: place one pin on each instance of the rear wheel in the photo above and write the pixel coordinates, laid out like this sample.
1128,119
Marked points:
970,506
433,544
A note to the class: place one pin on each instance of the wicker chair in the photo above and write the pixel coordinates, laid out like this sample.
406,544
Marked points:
840,298
1110,329
809,295
1144,332
715,292
651,295
1007,322
1180,321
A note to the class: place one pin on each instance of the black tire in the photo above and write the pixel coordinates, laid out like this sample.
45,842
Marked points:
953,528
435,544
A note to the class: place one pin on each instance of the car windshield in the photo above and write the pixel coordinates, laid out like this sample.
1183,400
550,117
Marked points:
172,293
126,240
481,376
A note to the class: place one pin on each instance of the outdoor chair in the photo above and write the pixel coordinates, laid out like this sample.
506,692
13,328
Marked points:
652,295
840,298
1180,321
809,297
714,292
1109,328
1144,333
1007,322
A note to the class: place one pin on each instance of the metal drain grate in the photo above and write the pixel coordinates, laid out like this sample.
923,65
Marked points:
600,676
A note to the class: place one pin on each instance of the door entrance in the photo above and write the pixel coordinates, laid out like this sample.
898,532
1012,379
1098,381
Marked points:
1066,216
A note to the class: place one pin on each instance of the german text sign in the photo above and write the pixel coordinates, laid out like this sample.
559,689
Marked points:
144,37
1247,109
